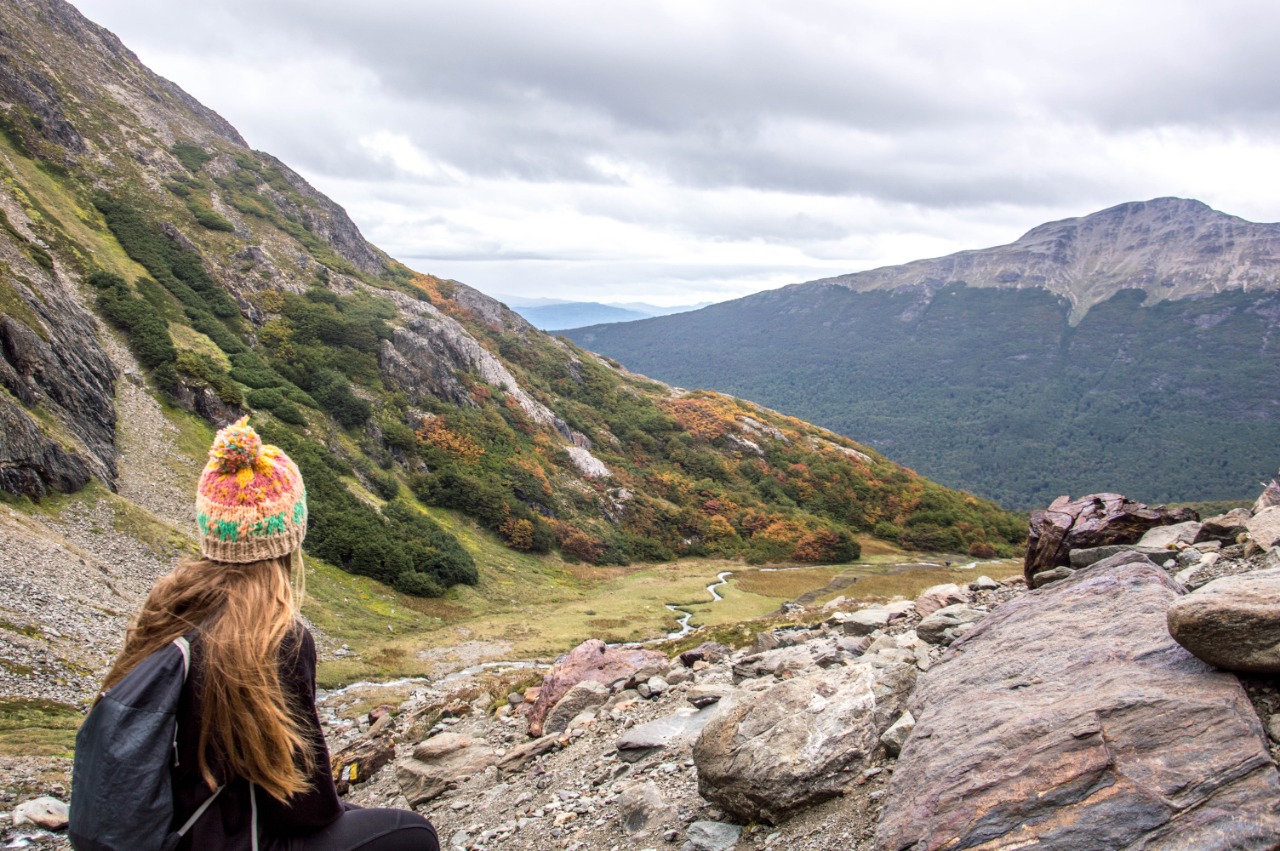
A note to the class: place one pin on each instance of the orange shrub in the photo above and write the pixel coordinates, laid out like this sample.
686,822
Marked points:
461,446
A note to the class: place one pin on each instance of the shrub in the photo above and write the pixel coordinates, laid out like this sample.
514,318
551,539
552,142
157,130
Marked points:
191,156
146,331
206,217
981,549
417,584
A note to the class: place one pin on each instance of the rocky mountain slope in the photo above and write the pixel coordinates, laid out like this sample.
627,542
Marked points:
1131,349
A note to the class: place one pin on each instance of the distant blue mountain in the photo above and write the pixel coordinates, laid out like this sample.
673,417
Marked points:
576,314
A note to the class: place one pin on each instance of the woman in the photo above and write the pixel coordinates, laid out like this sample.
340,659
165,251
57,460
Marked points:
247,725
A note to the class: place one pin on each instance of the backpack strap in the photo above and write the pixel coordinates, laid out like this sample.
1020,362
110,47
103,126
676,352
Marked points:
195,817
184,647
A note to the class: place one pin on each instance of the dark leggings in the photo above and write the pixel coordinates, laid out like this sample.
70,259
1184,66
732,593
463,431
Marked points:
371,830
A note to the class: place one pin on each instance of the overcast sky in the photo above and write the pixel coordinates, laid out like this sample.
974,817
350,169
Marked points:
677,151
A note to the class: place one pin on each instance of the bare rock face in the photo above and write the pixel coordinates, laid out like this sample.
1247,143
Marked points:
590,660
1097,520
1070,719
56,364
798,743
1232,622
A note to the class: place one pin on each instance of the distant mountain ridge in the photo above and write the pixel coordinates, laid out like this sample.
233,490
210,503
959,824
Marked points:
1134,349
1170,248
552,315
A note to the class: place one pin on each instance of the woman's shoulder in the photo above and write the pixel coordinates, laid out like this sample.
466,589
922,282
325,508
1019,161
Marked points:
298,641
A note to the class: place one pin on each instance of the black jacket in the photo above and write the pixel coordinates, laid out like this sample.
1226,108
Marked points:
228,823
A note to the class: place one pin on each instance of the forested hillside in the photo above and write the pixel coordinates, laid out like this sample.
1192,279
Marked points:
1005,389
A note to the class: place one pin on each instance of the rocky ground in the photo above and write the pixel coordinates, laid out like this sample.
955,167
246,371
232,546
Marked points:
652,758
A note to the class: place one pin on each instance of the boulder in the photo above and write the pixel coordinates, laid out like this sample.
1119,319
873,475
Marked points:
360,760
518,759
782,662
938,627
705,694
48,813
862,622
1091,521
641,808
1224,527
591,660
707,651
1270,496
941,596
1169,537
711,836
439,763
1092,555
674,730
896,736
1055,574
1264,527
1232,622
767,755
1069,718
582,696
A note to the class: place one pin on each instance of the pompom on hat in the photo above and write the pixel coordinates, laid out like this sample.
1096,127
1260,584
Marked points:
250,503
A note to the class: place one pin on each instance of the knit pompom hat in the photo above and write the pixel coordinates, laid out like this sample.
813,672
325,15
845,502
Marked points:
250,503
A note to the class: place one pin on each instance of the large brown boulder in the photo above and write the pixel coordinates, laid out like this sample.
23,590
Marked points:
1070,719
590,660
1097,520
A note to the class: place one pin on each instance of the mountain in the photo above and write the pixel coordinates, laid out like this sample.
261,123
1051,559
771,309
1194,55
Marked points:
148,254
1133,349
555,317
551,315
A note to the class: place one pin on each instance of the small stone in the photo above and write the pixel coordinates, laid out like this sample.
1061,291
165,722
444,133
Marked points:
1166,537
711,836
1273,728
1045,577
48,813
641,807
896,736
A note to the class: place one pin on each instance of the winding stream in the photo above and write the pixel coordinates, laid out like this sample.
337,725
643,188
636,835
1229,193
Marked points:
722,579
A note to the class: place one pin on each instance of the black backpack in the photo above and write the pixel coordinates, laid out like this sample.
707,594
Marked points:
121,791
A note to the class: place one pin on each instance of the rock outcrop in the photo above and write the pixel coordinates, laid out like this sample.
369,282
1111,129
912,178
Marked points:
591,660
1069,718
1091,521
